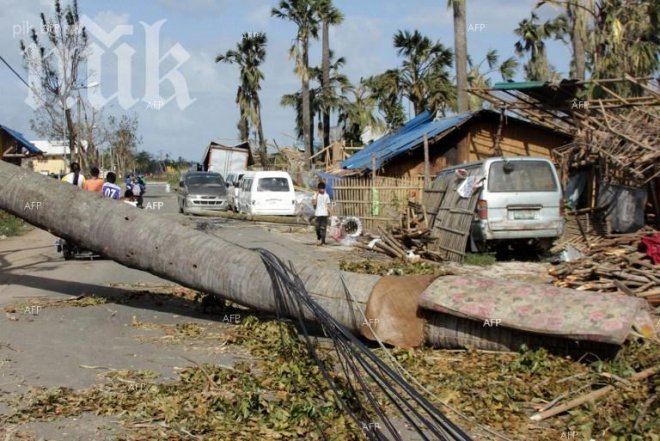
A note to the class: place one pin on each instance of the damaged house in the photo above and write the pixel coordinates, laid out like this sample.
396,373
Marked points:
451,141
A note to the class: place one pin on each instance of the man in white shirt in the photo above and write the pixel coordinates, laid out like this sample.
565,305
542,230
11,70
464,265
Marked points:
321,202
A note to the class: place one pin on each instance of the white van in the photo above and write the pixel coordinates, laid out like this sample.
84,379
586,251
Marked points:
233,180
267,193
521,200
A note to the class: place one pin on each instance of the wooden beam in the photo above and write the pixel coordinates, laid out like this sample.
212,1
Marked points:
427,163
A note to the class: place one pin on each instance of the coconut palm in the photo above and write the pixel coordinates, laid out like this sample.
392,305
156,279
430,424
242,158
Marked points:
423,76
305,14
460,49
249,55
532,41
330,16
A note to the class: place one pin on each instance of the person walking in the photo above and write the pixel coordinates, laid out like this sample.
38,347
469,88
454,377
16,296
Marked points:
321,202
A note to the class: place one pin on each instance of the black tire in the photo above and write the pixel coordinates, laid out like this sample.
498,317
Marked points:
68,253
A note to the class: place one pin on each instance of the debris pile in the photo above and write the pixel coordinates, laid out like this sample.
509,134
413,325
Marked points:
614,264
623,145
409,240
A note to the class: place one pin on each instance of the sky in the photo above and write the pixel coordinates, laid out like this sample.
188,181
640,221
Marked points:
156,58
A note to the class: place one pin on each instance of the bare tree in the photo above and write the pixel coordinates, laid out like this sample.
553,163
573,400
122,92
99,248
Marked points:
123,140
56,65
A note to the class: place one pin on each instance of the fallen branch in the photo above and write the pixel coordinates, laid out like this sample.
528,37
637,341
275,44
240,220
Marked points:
592,396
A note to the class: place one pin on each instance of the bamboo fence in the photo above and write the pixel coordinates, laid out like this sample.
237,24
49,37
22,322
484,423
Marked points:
376,201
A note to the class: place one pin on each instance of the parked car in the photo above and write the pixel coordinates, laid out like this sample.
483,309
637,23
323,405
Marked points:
267,193
202,191
521,202
232,181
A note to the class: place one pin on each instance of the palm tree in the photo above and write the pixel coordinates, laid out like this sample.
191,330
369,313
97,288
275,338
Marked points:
358,113
423,76
305,14
161,246
249,55
460,48
386,89
323,100
625,39
532,41
480,79
330,16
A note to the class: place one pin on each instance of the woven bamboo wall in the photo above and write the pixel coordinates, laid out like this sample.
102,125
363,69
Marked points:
354,196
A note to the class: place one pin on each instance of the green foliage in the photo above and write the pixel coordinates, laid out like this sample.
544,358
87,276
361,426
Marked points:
11,225
479,259
391,267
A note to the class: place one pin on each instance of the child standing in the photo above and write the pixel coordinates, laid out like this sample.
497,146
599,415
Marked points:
321,202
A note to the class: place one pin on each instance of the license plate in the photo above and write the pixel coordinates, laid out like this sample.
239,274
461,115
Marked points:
524,214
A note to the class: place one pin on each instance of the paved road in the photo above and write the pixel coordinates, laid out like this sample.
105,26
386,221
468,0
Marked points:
49,349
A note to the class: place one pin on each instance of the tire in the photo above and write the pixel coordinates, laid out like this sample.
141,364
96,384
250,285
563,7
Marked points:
67,252
353,226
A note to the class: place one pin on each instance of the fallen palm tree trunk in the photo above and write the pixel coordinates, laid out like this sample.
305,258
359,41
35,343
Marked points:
287,220
163,247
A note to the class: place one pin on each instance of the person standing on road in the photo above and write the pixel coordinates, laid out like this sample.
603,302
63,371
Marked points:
94,183
110,189
321,202
75,177
136,189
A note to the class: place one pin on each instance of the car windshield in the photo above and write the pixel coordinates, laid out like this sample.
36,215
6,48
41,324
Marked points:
520,176
206,180
273,184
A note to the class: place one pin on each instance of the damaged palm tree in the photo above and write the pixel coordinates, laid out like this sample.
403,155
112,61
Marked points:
403,311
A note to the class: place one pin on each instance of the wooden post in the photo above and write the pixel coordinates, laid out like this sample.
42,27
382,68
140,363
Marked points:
427,163
373,185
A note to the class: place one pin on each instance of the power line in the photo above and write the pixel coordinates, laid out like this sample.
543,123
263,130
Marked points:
361,368
15,73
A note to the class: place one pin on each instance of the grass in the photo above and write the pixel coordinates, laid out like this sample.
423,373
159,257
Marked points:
479,259
11,225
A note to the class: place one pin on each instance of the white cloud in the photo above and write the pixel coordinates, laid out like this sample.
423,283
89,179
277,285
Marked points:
110,19
259,16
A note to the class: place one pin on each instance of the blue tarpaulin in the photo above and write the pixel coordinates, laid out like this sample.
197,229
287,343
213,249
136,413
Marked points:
408,137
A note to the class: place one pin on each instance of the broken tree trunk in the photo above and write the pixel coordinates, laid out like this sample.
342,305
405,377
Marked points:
163,247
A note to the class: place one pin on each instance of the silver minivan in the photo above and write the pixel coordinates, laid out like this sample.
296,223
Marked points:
520,201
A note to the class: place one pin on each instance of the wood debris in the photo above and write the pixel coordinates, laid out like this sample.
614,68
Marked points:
409,240
614,264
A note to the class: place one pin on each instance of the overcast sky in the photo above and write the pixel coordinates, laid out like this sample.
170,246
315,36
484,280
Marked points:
203,106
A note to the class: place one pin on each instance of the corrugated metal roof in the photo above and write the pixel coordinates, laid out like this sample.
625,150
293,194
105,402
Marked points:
512,85
53,148
407,137
22,140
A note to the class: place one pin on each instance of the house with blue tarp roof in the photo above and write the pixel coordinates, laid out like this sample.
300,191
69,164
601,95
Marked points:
14,147
451,141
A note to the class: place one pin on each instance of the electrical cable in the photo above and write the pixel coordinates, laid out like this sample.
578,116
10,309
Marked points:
358,364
